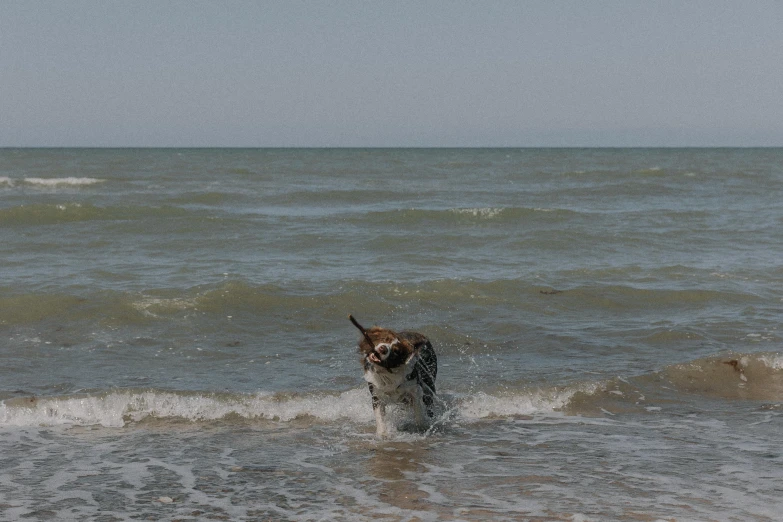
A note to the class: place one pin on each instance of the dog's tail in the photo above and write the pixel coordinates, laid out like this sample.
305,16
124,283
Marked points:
361,329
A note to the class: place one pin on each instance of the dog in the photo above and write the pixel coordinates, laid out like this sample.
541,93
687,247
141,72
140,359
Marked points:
399,367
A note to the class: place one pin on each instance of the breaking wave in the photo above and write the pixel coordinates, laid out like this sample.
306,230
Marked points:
756,377
58,182
120,407
731,376
70,181
117,408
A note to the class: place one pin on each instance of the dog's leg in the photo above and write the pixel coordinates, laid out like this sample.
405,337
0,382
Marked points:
379,409
418,412
380,420
427,394
428,402
419,403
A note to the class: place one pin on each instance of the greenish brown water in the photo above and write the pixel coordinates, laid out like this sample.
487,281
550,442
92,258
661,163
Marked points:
173,325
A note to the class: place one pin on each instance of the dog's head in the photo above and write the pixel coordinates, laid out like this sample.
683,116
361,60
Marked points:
383,347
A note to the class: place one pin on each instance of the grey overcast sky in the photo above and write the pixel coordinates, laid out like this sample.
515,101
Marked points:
391,73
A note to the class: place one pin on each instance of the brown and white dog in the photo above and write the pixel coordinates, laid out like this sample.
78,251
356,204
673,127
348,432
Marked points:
399,367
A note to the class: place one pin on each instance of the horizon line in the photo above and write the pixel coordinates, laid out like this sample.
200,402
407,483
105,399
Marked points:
381,147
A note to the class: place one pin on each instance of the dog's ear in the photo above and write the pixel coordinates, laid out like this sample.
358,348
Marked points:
414,349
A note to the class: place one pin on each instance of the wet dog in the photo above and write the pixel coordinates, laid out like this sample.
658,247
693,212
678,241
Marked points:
399,367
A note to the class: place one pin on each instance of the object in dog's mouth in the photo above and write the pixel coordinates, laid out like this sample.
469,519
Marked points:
400,368
374,358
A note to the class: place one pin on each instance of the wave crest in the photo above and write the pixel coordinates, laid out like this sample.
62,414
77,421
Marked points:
118,408
756,377
733,376
58,182
463,216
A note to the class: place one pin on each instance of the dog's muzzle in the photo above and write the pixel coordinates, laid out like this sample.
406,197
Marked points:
381,352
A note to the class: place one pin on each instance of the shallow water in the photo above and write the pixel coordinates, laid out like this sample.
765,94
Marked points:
175,342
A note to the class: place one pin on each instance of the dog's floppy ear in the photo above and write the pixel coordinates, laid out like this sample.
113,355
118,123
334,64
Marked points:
361,329
414,351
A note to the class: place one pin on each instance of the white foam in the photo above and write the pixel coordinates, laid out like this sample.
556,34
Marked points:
114,409
54,182
482,405
772,361
6,181
485,213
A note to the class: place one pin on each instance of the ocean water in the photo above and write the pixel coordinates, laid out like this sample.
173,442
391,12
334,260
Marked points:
174,341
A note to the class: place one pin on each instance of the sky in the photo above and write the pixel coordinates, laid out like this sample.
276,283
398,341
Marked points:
393,73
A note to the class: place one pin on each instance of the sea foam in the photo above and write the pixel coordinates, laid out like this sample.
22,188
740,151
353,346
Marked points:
486,213
118,408
738,376
56,182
